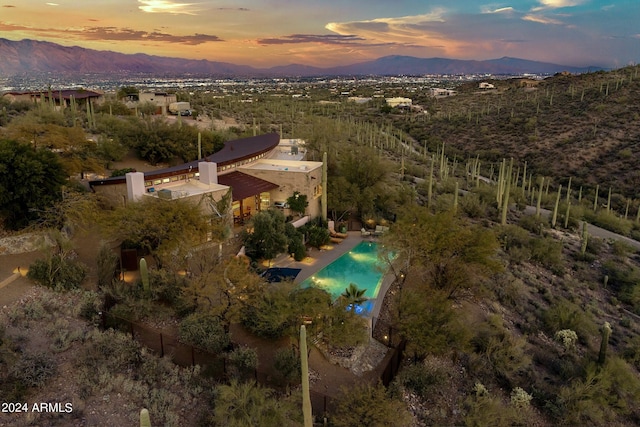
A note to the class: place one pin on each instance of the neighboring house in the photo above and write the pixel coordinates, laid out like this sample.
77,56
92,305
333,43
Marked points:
60,97
160,99
399,102
439,92
251,167
485,85
18,96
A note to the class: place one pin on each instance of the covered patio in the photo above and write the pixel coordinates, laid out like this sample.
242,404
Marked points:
248,194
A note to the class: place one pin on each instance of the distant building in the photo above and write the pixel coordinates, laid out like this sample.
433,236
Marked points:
358,99
62,97
439,92
485,85
160,99
399,102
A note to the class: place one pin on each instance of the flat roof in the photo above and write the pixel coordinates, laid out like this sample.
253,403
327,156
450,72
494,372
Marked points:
284,165
182,189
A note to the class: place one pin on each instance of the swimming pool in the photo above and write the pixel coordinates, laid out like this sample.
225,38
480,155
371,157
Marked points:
360,266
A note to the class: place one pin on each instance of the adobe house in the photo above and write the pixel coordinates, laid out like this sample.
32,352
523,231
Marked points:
251,167
160,99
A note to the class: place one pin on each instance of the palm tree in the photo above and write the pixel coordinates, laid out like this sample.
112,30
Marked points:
353,295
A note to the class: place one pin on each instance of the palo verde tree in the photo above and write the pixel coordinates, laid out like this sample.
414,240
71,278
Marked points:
449,255
221,288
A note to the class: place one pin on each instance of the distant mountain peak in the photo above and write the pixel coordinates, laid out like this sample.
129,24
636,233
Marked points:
32,56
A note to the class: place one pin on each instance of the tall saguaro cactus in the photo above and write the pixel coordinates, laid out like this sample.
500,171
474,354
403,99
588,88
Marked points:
585,239
304,362
145,420
144,276
323,196
554,216
507,190
539,198
606,333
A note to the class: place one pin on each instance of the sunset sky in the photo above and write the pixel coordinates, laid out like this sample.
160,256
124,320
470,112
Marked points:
265,33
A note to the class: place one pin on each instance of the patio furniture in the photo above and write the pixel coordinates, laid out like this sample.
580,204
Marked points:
380,230
364,233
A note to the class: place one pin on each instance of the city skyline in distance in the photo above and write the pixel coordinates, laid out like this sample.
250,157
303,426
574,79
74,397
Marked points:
271,33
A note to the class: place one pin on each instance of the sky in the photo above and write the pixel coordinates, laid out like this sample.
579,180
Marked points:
265,33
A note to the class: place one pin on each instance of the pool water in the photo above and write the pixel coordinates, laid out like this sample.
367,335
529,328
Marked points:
360,266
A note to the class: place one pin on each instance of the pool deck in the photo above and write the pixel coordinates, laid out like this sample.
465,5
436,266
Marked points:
318,259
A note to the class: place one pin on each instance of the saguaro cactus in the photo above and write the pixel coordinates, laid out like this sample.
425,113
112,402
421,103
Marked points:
585,238
505,201
554,216
145,420
144,276
539,198
304,362
455,199
430,188
606,333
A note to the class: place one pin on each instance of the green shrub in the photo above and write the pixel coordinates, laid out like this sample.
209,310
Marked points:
622,249
564,314
595,245
30,310
472,206
370,406
110,350
57,273
624,280
498,351
548,252
483,409
287,363
422,379
297,248
244,358
34,369
533,224
318,236
609,221
204,331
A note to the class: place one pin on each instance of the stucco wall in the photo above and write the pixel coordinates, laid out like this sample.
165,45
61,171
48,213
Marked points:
289,182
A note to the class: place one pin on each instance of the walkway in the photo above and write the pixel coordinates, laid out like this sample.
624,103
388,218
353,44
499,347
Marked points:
593,230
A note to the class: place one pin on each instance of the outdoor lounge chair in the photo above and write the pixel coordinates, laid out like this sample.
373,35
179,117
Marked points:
335,234
380,230
364,232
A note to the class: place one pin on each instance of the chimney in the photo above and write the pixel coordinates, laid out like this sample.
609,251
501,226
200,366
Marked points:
208,172
135,186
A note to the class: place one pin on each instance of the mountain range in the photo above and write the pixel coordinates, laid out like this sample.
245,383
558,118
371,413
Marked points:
31,56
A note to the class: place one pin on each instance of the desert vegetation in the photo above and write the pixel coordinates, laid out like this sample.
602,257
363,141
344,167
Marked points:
514,311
